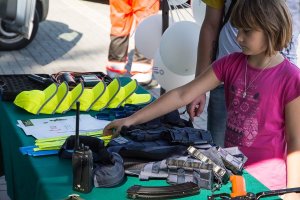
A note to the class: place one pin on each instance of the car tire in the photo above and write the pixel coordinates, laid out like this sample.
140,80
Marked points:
15,41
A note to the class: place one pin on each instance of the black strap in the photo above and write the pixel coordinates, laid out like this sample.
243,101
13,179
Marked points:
228,13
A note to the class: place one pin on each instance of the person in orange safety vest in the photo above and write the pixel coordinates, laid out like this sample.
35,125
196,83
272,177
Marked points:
125,15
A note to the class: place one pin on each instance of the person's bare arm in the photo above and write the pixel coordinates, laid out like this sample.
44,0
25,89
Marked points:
292,116
208,38
168,102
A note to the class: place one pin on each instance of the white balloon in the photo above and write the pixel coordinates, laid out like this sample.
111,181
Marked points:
178,47
184,14
198,9
148,34
176,2
167,79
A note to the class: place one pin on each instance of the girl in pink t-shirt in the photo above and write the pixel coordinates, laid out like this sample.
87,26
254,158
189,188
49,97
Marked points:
262,91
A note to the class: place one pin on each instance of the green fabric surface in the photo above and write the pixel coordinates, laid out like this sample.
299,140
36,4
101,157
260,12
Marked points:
50,178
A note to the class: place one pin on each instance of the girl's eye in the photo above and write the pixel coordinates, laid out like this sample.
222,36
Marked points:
247,30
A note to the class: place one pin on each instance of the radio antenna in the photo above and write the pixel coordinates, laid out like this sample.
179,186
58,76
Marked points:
76,146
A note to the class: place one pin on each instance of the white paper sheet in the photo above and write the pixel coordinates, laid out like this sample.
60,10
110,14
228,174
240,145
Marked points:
60,126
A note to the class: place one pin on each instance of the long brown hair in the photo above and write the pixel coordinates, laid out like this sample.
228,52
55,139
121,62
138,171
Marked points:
271,16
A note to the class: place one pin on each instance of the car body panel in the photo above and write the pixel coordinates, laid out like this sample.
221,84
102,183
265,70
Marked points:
19,18
24,17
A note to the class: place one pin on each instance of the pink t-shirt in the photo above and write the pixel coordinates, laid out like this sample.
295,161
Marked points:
255,123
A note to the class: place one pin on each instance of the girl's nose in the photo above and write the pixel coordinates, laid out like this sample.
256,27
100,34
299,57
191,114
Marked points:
239,37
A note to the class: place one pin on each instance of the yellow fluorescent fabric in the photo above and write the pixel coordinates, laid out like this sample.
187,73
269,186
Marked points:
123,94
90,96
54,102
53,139
55,143
117,99
34,100
138,99
70,99
110,92
217,4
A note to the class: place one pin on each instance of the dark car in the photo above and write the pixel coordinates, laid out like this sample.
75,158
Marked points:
19,21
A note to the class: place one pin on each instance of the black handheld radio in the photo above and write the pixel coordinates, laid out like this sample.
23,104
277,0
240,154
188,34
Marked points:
82,162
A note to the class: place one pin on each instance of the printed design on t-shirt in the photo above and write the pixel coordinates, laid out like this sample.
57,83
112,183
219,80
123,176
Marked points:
242,124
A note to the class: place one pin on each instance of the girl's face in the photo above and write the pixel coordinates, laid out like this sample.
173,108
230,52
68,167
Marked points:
252,42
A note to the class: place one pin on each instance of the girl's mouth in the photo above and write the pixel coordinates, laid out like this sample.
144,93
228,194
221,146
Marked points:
244,47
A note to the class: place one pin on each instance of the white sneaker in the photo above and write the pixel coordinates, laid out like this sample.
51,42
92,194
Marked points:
115,69
142,72
143,78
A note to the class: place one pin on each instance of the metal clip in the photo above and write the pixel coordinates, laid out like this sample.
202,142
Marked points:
74,197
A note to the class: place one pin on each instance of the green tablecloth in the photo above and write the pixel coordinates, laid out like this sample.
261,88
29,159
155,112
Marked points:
48,177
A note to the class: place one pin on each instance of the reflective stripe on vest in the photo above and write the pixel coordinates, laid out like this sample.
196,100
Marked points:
123,94
90,96
56,100
110,92
70,99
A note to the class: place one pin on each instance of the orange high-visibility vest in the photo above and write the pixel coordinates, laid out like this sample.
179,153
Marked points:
123,13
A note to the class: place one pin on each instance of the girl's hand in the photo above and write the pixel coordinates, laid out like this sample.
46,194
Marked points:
196,107
114,127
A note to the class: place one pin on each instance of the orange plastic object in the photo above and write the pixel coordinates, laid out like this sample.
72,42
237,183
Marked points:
238,186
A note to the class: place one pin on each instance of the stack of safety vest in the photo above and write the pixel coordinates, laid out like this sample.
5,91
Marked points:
57,98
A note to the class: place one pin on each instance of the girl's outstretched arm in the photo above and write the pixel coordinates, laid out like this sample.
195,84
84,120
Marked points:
168,102
292,116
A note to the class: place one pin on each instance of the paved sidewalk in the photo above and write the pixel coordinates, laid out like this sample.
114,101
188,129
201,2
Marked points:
74,37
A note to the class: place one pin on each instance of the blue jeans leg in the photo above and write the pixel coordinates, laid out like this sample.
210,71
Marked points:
216,115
